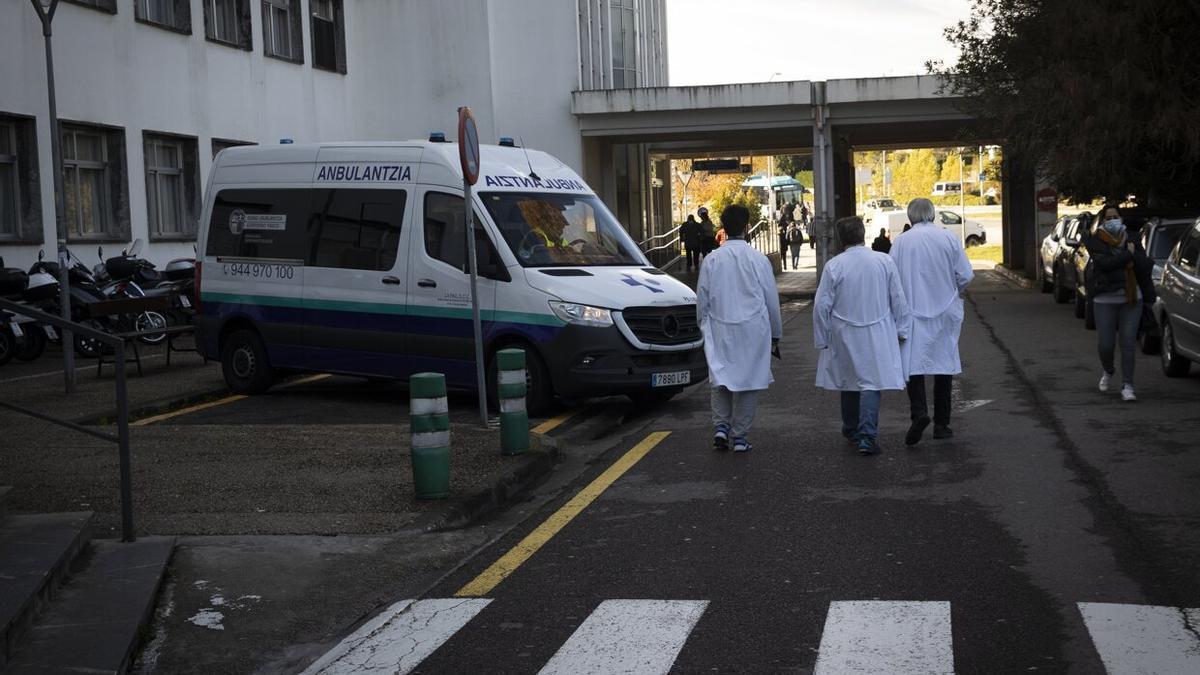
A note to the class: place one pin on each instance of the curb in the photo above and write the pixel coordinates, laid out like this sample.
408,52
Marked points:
1014,277
157,407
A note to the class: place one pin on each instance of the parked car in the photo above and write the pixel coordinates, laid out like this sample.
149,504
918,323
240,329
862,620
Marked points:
1159,236
1048,252
878,205
950,221
1063,265
1178,306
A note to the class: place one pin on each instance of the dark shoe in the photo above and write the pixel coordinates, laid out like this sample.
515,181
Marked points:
867,446
941,431
916,429
742,445
721,437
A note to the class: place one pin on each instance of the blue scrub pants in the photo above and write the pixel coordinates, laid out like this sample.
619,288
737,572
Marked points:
860,414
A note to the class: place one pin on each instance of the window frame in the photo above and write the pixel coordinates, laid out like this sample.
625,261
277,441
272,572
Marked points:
500,273
106,6
9,129
26,176
337,25
180,20
295,33
320,219
244,34
116,181
77,167
186,209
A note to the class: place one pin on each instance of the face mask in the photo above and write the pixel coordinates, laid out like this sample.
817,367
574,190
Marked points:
1114,227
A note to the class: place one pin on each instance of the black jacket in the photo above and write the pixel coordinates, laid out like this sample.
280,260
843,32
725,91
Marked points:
690,231
1108,273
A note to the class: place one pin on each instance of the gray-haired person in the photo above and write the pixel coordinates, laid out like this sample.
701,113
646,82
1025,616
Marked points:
934,271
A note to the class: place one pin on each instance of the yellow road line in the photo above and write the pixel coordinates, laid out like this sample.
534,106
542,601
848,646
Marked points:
509,562
145,421
184,411
550,424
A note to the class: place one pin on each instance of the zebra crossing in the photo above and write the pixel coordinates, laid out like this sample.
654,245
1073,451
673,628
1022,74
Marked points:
646,636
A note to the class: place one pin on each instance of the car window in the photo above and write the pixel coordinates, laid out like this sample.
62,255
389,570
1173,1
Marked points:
261,224
1058,229
950,218
445,228
1163,240
356,229
1189,250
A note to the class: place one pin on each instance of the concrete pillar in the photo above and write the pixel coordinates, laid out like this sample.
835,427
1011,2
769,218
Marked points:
1019,221
824,196
844,202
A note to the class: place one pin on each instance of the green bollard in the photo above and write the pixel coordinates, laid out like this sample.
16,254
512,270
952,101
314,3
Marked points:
510,389
430,415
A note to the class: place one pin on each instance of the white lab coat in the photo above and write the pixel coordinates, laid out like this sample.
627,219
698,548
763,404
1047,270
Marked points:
737,305
859,316
934,270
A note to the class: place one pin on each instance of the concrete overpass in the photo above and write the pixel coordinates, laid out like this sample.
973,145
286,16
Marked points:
630,134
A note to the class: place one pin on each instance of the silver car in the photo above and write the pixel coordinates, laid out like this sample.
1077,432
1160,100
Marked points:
1178,306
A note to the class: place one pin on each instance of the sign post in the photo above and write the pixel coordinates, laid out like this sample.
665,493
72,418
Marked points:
468,156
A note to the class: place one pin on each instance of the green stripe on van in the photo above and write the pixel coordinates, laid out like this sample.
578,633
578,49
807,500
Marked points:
384,308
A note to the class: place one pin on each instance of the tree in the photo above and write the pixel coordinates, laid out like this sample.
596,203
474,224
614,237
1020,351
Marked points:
1104,95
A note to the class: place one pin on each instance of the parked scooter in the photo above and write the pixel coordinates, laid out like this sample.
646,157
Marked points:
22,337
136,277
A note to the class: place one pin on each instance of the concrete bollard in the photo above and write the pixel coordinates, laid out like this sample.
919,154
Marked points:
510,390
430,418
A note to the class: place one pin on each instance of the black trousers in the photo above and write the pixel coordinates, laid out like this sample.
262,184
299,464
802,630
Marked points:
693,256
917,405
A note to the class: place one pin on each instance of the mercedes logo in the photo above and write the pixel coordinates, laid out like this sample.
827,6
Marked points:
670,326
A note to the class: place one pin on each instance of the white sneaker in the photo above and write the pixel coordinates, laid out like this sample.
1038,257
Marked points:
1104,379
1127,393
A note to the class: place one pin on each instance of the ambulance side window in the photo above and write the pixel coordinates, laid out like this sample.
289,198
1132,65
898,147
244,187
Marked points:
356,229
444,235
260,224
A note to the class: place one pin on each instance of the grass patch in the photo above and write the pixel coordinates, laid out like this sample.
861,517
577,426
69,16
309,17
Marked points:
990,252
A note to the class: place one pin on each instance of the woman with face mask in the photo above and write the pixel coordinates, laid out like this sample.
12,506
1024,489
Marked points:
1120,285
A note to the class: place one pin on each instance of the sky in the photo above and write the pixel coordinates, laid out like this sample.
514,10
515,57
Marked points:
805,39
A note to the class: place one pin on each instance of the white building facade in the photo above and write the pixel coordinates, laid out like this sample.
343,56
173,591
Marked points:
149,90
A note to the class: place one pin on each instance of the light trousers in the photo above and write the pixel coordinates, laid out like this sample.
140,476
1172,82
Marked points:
734,409
1118,321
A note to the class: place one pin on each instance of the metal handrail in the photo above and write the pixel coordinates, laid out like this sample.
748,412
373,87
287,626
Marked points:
665,246
642,244
122,437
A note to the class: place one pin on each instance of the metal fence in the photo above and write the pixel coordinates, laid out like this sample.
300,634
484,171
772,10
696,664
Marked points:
664,250
121,438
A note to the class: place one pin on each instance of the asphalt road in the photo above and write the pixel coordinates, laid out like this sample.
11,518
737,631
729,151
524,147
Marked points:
972,554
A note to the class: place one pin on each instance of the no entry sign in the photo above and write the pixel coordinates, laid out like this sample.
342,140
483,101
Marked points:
468,145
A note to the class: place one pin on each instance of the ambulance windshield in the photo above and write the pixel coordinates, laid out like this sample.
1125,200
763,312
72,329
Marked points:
560,230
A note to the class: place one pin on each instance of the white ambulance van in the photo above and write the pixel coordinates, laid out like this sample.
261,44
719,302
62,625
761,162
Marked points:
351,258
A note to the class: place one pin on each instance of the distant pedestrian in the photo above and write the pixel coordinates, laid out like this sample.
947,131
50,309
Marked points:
882,243
860,317
1119,286
784,221
737,305
690,233
708,232
934,270
795,239
907,227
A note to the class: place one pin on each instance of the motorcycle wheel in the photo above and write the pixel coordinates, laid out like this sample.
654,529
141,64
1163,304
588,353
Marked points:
151,321
8,345
33,344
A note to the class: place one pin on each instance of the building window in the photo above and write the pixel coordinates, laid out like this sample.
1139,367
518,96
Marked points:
172,186
328,35
109,6
94,193
175,15
228,22
282,37
20,193
622,26
219,144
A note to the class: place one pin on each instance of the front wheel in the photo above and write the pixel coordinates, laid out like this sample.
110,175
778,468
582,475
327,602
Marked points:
973,241
1047,282
1173,364
245,364
148,321
539,390
1062,294
33,344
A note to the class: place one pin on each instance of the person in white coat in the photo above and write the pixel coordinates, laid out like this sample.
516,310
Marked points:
737,305
860,317
934,270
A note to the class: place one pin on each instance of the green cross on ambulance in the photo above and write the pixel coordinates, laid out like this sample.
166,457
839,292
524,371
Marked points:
350,258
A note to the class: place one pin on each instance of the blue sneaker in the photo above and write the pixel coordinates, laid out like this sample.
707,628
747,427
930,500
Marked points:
867,446
721,437
741,445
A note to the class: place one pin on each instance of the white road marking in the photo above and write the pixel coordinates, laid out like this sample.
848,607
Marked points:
400,638
886,637
1136,639
628,636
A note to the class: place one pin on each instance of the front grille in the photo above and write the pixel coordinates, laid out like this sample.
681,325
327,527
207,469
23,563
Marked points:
663,325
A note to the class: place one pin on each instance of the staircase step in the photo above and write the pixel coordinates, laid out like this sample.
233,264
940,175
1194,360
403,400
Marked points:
36,555
95,623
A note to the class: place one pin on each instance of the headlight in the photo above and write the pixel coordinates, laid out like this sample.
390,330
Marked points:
581,315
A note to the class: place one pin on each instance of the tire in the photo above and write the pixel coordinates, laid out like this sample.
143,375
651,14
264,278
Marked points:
33,345
1150,344
245,364
151,321
1080,305
1089,315
973,241
1062,294
8,345
539,390
1173,365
